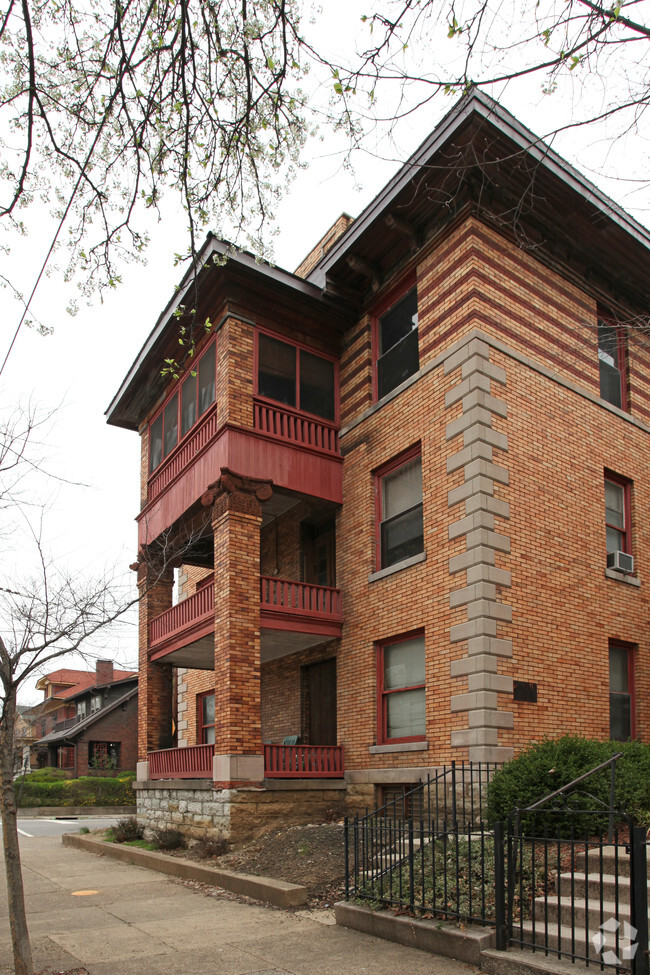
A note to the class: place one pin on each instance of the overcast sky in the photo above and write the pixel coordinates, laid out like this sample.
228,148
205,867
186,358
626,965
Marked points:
81,365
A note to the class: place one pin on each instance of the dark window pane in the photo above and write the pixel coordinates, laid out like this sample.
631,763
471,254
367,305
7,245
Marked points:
609,364
155,443
188,404
399,321
316,385
207,375
620,717
277,370
396,365
402,537
170,414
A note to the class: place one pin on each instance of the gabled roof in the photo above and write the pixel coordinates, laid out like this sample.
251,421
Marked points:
121,677
67,734
477,106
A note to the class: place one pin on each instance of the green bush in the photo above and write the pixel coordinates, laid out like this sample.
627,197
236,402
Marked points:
548,765
47,775
38,790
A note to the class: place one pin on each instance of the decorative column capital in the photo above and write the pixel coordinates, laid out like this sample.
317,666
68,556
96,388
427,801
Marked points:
234,492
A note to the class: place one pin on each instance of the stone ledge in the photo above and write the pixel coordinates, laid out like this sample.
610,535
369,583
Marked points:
623,577
74,812
189,785
404,746
391,569
433,936
277,892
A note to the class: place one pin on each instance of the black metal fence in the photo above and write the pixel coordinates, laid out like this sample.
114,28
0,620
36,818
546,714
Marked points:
581,897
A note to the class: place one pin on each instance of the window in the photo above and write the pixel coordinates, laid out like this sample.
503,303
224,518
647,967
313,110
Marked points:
400,678
611,364
205,717
81,710
296,377
617,514
621,691
104,754
181,411
399,511
397,342
95,703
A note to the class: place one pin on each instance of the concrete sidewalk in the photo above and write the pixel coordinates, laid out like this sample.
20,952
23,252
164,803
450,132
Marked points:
118,919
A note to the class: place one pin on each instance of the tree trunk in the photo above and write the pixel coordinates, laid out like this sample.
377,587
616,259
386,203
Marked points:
23,963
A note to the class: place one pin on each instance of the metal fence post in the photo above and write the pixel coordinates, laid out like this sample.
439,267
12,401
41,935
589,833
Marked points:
499,887
346,848
639,898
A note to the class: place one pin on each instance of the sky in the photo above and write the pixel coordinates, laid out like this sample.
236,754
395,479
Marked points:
93,494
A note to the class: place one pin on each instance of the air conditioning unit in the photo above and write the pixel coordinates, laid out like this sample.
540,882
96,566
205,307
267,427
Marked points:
620,561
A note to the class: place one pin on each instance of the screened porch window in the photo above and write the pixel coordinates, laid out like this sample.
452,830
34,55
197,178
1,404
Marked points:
296,377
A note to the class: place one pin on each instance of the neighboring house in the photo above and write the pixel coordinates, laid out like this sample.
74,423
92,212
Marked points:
88,719
25,737
407,487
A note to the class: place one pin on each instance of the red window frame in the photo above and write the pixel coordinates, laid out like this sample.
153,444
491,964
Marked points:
626,531
630,650
201,728
392,298
411,454
177,390
621,340
383,694
299,347
65,756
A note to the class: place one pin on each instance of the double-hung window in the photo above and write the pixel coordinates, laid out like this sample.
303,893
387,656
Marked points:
611,364
621,691
205,718
397,342
183,408
296,377
400,532
617,514
401,692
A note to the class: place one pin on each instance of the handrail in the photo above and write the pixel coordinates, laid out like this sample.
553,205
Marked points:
558,792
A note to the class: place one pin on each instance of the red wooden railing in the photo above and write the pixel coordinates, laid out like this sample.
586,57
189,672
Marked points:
302,598
303,761
194,762
288,424
188,612
178,460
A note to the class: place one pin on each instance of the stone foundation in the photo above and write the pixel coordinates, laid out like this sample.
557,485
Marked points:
200,811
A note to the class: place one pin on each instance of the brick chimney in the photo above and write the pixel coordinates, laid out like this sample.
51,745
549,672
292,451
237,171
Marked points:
104,671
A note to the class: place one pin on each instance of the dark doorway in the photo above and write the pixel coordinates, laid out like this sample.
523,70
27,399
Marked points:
318,553
321,702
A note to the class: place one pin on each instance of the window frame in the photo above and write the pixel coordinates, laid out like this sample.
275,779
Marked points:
386,470
177,390
95,703
629,649
622,368
200,726
392,298
383,695
626,532
298,347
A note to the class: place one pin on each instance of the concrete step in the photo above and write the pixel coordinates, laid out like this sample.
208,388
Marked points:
563,938
614,860
517,962
586,914
593,884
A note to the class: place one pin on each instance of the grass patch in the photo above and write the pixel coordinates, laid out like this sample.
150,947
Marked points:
141,844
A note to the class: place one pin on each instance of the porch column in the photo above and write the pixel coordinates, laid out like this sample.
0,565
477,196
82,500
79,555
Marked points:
155,682
236,521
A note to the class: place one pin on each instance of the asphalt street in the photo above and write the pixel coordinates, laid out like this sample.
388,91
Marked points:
30,828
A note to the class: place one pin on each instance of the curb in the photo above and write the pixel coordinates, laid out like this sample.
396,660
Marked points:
276,892
435,937
48,812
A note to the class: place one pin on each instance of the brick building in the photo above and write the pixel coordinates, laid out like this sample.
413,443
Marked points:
88,720
405,490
